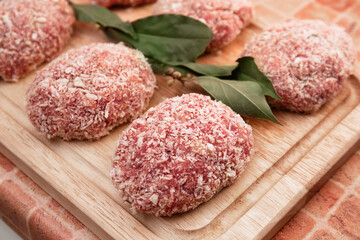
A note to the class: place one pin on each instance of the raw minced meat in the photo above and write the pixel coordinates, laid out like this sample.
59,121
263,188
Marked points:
179,154
32,32
109,3
306,60
226,18
86,92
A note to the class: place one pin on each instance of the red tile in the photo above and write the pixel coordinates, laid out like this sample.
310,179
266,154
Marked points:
316,11
344,222
338,5
357,188
348,24
297,228
322,235
44,225
354,12
33,187
286,7
64,216
5,164
346,219
15,203
354,161
349,172
265,17
324,200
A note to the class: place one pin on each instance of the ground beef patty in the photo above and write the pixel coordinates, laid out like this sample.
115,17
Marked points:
86,92
179,154
306,60
31,32
109,3
226,18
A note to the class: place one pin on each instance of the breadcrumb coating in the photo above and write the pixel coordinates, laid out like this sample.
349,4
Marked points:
32,32
306,60
180,154
86,92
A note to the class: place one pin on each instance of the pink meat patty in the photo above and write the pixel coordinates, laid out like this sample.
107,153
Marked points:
109,3
86,92
226,18
180,154
32,32
306,60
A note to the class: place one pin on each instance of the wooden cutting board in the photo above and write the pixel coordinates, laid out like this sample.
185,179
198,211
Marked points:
290,162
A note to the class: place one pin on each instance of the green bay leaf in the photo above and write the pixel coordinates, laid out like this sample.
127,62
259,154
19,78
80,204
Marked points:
247,70
115,36
206,69
197,69
102,16
171,37
244,97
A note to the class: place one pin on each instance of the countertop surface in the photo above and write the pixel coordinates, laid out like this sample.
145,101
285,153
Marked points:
7,233
333,212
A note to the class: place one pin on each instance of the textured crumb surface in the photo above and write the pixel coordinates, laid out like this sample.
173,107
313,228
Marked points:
86,92
306,60
226,18
110,3
32,32
179,154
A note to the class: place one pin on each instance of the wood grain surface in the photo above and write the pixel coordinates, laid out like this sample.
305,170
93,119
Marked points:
290,160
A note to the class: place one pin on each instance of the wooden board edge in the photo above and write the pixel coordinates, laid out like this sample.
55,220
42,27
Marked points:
301,194
33,172
350,146
41,182
304,199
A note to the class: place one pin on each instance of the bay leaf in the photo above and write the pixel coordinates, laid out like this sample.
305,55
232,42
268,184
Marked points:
197,69
171,37
244,97
102,16
207,69
247,70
